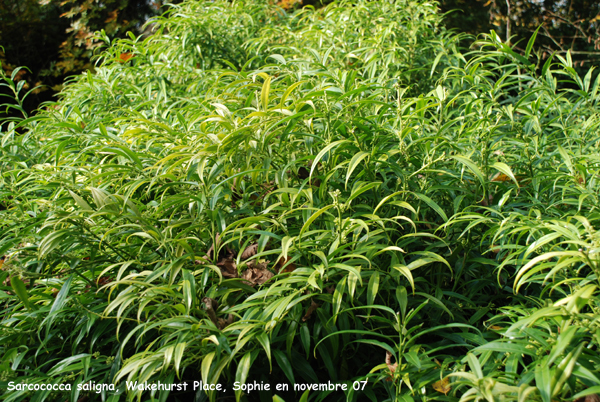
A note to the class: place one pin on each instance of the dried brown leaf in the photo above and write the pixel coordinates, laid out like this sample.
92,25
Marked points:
104,280
589,398
226,253
282,262
388,362
258,265
211,306
124,57
311,309
442,386
250,251
229,252
257,273
228,268
222,323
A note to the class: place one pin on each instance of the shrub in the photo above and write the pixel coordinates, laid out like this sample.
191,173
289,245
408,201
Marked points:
331,195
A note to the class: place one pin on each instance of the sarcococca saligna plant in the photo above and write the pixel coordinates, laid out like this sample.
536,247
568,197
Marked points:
335,195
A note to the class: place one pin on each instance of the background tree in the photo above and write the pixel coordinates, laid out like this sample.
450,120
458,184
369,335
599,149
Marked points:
564,26
54,38
31,35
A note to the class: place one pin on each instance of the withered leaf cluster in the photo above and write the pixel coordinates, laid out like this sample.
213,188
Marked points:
256,272
311,309
211,306
391,367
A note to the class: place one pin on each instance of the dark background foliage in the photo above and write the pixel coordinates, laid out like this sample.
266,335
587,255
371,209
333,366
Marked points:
54,38
565,25
31,35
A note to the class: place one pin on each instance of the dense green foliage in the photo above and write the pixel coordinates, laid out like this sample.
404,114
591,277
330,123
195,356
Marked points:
331,195
55,39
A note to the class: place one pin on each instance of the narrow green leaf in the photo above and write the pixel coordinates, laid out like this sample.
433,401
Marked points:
506,347
373,287
178,355
323,152
264,93
547,65
205,366
545,256
472,167
433,205
389,248
242,371
402,297
280,58
435,63
305,338
382,345
403,269
563,341
21,291
436,301
285,365
263,339
505,169
61,296
360,188
103,129
531,42
567,159
285,246
287,93
338,295
312,219
543,381
66,364
356,159
189,289
590,391
564,370
413,359
81,202
474,364
304,397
